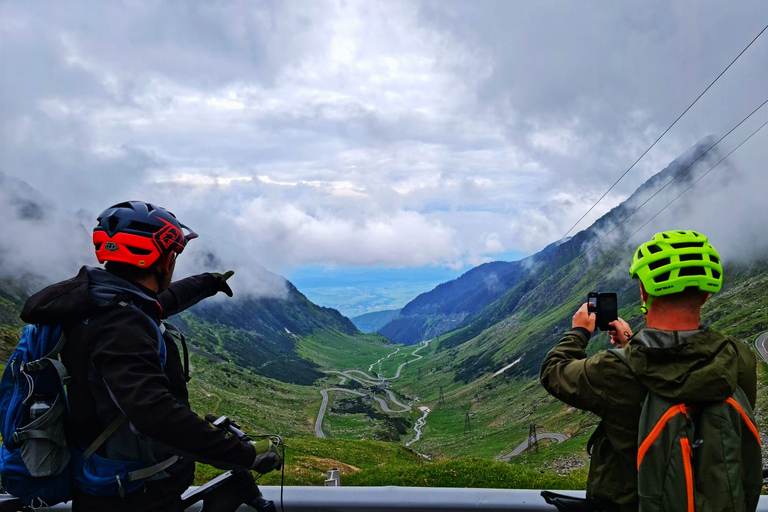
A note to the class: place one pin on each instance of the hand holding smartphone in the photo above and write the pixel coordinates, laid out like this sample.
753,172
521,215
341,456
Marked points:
605,307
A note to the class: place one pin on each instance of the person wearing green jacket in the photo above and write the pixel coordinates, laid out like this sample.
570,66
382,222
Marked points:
674,357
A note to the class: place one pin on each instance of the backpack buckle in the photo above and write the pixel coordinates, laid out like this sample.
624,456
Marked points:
120,489
35,366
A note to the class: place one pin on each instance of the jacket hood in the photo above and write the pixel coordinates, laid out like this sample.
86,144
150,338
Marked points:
76,298
700,365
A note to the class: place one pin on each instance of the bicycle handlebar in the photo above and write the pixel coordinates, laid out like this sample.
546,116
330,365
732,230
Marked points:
228,425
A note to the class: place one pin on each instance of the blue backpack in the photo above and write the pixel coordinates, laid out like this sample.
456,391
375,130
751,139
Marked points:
37,464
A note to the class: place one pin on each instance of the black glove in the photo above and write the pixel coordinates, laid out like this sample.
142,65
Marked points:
221,282
267,458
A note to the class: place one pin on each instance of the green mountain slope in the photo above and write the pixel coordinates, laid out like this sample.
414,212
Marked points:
372,322
262,334
489,293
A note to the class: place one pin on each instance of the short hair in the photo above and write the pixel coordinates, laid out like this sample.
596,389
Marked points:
690,297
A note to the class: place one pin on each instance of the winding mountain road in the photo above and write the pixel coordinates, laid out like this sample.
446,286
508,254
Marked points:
319,423
365,380
522,446
761,344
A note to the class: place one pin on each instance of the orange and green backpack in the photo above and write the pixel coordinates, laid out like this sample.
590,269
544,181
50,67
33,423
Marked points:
698,456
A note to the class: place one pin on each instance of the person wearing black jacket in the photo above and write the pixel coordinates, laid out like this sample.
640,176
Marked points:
127,376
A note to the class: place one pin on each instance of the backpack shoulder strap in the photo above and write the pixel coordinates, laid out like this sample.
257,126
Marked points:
102,438
622,354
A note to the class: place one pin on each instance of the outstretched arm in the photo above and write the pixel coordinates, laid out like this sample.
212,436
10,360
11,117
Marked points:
187,292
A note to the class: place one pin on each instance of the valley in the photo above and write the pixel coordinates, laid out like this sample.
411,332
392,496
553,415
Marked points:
451,395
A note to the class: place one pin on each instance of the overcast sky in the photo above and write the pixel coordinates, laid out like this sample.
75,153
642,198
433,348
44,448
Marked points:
357,137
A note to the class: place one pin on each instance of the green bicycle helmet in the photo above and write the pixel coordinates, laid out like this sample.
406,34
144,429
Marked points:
675,260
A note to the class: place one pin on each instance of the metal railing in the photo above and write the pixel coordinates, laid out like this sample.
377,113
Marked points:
387,499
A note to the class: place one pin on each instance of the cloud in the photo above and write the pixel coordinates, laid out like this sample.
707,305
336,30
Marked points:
358,133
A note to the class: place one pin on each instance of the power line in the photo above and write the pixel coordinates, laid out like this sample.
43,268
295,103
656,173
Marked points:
665,132
676,176
697,180
542,260
608,254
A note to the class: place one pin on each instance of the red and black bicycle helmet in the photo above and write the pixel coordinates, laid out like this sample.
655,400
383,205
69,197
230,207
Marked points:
138,233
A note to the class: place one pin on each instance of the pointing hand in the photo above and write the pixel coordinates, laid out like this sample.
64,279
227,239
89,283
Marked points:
221,282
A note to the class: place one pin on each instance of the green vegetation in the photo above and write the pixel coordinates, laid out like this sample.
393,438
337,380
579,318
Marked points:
377,463
350,417
467,472
258,403
335,350
308,460
265,368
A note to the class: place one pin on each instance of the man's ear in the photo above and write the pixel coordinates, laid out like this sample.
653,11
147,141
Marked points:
165,262
643,293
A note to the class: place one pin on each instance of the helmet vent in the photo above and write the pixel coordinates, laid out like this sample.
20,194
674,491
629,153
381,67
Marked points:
123,205
660,263
691,257
687,245
715,274
661,278
654,249
138,251
714,259
113,222
692,271
142,226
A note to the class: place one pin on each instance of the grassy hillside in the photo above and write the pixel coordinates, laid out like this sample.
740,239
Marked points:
501,408
262,333
370,463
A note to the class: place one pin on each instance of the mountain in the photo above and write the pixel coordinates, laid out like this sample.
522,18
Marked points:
488,293
372,322
524,322
257,333
445,307
262,333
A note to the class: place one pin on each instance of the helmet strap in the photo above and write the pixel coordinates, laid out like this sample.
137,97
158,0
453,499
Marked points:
159,277
162,268
646,305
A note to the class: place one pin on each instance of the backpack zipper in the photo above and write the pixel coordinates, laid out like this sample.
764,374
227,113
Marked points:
687,455
656,431
745,417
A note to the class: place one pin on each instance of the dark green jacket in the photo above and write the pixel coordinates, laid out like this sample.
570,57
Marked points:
696,365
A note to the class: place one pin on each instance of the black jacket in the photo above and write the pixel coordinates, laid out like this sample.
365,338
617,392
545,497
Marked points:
113,355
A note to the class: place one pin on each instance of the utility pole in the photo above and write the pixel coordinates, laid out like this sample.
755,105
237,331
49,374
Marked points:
467,426
533,440
419,376
441,400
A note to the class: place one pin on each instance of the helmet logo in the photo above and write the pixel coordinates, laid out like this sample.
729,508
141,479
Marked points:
111,246
169,237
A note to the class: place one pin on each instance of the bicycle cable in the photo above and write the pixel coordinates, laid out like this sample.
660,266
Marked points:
282,466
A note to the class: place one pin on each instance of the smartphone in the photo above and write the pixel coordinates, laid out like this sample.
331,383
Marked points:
592,302
605,307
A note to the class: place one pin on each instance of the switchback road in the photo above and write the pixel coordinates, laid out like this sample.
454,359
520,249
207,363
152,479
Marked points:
761,344
522,446
366,380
